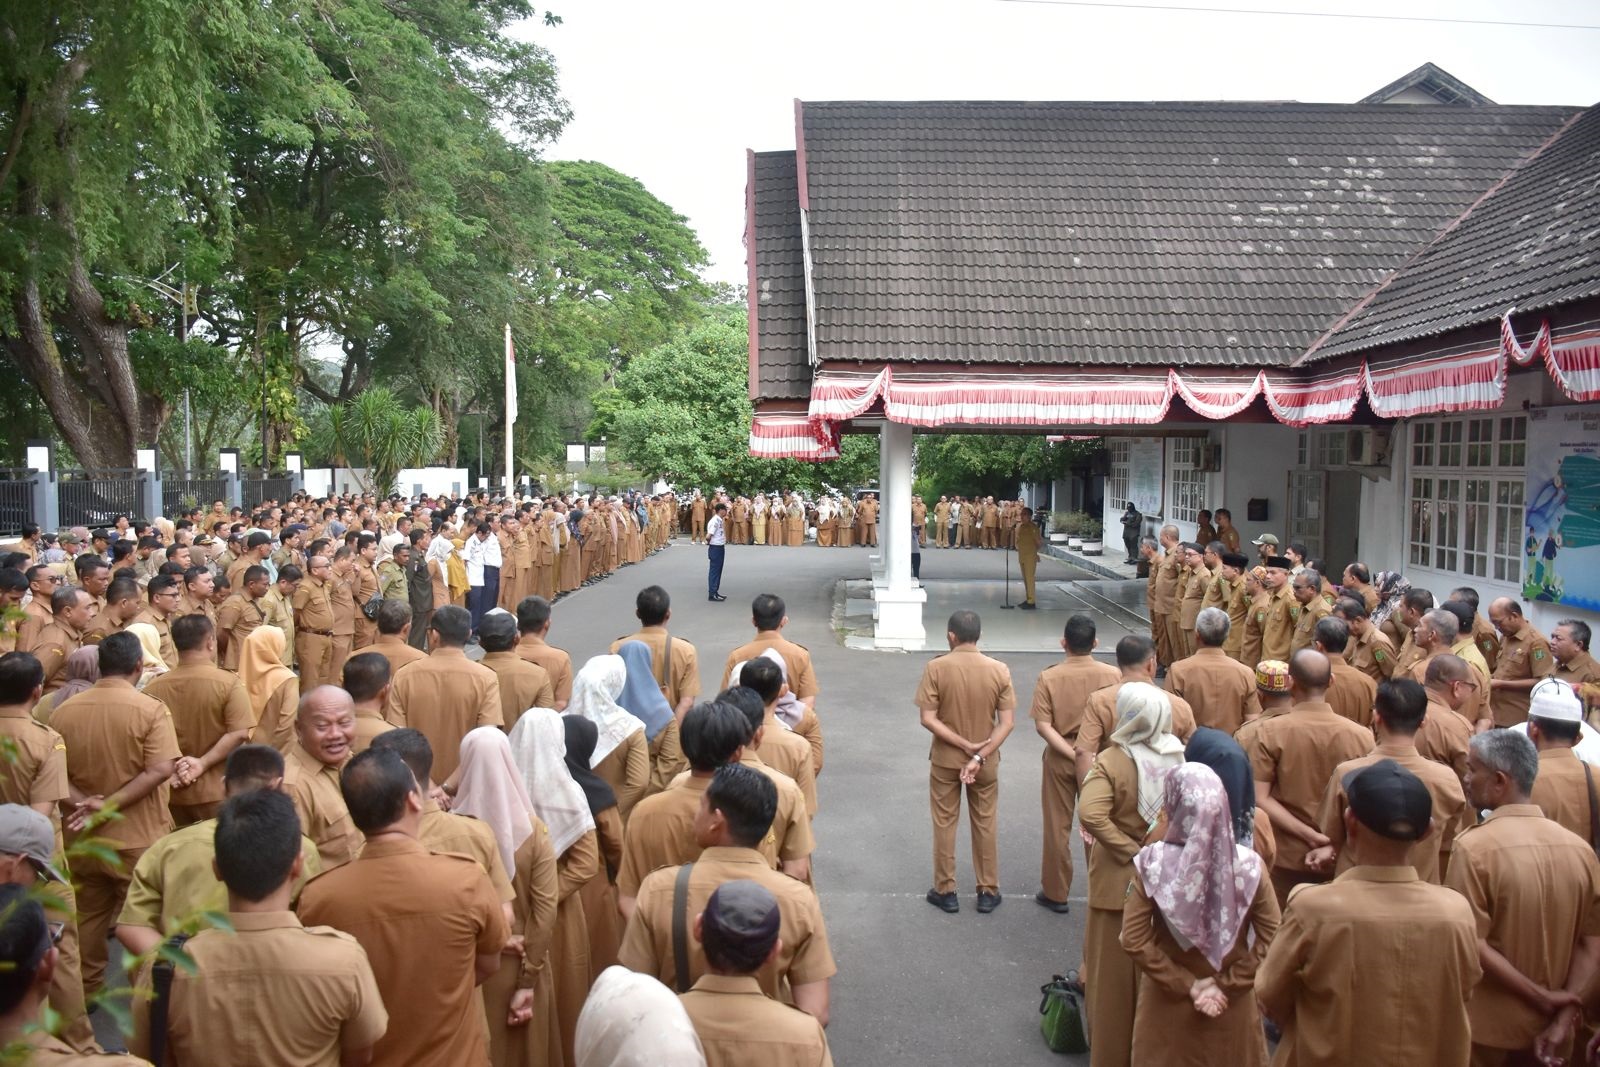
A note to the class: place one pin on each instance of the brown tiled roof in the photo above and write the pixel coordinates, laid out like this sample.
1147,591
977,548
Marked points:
778,286
1119,233
1533,242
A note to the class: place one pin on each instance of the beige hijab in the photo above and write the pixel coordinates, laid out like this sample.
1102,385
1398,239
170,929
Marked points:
632,1020
261,666
150,644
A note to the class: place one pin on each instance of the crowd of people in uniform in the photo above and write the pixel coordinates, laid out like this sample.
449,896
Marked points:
247,741
1345,817
839,520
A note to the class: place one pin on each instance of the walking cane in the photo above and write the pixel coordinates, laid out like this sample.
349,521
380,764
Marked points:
1008,605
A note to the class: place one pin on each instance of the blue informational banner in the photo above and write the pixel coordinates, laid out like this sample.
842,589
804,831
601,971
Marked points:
1561,528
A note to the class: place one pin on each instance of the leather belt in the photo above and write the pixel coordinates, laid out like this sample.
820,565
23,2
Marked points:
318,633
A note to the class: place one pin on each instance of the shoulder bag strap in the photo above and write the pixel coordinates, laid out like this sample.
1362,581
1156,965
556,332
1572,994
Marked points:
664,668
1594,809
680,927
161,982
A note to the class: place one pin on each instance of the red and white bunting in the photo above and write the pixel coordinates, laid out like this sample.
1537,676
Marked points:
1102,400
1400,389
790,437
1573,362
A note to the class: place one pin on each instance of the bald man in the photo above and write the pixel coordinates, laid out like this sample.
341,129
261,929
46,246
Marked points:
1524,659
324,729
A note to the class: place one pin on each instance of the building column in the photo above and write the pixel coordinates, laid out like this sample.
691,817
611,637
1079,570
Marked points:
898,600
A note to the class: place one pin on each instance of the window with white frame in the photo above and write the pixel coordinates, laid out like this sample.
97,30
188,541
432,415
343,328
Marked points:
1188,492
1466,495
1117,475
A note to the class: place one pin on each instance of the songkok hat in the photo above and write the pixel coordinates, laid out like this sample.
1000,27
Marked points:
1281,562
1235,560
1266,539
1272,676
741,912
1554,700
1389,800
257,539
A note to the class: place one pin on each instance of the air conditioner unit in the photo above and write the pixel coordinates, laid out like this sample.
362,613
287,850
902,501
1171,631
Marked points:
1367,447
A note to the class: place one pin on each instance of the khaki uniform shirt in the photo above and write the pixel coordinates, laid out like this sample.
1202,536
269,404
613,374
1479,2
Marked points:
1527,655
1237,605
801,678
397,652
447,831
173,882
1310,615
1372,654
1487,638
1296,755
397,899
163,628
314,788
1534,889
313,606
206,702
804,958
113,733
1062,692
661,832
738,1024
789,754
1331,972
1166,584
445,696
1192,586
1582,672
1218,591
274,991
683,678
369,724
239,617
968,690
52,644
1444,736
1351,693
556,663
280,613
1100,719
523,685
1451,813
1562,790
36,616
35,772
1220,691
52,1052
392,582
1108,809
1255,625
1277,630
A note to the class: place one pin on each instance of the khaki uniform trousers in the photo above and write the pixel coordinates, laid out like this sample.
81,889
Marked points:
1178,638
1111,983
102,887
941,535
66,987
698,527
342,644
983,799
869,533
1058,795
990,536
1029,562
315,653
1158,633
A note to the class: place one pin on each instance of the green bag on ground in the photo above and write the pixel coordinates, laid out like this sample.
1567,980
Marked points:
1063,1021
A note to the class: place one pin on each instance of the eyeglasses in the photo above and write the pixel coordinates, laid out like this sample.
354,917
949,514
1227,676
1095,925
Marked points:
57,930
1469,683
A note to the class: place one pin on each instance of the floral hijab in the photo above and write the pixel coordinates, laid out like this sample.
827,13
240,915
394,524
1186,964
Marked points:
1200,880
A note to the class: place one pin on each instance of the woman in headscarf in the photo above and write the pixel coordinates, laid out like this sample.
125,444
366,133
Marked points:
1120,801
456,569
622,753
632,1020
1199,918
571,573
1392,590
758,519
83,670
539,748
642,697
273,688
150,643
519,998
439,552
1222,754
600,892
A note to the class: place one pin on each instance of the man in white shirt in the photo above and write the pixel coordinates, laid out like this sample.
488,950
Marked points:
482,555
716,548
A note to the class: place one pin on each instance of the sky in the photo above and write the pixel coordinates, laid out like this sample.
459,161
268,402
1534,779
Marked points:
673,94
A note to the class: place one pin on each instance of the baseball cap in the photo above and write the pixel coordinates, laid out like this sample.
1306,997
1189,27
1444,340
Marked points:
1266,539
1272,676
1554,699
257,539
24,832
1389,800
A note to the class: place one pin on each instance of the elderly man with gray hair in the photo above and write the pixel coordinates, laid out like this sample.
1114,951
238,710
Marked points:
1436,635
1221,690
1534,889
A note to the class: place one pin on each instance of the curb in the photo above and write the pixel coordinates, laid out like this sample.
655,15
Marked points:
1088,563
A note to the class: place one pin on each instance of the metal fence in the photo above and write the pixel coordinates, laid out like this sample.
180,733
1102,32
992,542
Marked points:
192,489
279,485
16,499
96,498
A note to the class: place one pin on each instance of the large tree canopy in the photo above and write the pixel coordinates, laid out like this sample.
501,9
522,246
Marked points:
994,464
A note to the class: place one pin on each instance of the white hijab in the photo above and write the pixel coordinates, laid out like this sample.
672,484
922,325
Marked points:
789,711
490,788
440,549
1144,732
539,747
632,1020
594,696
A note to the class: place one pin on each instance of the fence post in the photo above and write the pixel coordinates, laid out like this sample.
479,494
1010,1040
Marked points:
294,463
149,482
229,459
41,456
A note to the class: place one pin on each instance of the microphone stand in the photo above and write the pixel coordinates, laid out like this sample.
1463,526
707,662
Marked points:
1008,605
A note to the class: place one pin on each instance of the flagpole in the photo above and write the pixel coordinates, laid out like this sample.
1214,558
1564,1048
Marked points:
511,405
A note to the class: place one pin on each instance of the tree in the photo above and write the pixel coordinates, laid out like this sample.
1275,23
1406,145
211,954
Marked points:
378,433
994,464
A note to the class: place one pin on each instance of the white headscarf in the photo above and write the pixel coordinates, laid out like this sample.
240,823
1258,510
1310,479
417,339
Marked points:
440,549
789,711
1144,732
539,747
490,788
594,696
632,1020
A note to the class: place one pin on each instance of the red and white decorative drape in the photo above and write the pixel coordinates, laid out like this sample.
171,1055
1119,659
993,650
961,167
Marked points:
791,437
1573,362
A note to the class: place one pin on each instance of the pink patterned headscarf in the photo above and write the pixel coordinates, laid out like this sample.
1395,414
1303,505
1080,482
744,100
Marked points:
1198,878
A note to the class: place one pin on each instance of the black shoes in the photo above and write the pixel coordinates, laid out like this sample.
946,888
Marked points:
987,902
716,598
946,901
1060,907
1028,606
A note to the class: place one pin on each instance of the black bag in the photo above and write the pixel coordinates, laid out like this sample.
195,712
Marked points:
161,981
369,610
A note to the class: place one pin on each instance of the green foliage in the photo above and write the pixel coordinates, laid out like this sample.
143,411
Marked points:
994,464
377,432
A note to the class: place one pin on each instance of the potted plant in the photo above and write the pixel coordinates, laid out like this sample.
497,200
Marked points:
1063,524
1092,544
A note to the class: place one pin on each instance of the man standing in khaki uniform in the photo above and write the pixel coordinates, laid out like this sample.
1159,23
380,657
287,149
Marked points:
399,896
868,515
1569,647
366,679
680,679
313,625
967,703
697,518
278,605
1293,758
1562,788
241,614
211,716
941,523
1387,941
1482,631
1307,589
1446,730
1534,890
1283,611
324,729
121,752
1350,693
533,629
1025,537
1136,662
446,695
394,622
1221,691
1524,659
53,642
769,616
1192,581
271,989
1235,602
523,685
1166,594
1413,606
1059,697
1369,651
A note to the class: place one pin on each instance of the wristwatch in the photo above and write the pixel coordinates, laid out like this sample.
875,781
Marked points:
981,760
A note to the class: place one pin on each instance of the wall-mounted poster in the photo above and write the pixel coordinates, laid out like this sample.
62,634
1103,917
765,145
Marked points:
1146,468
1561,530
